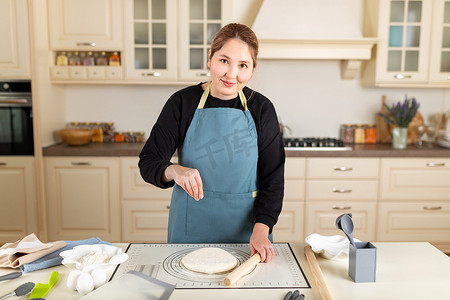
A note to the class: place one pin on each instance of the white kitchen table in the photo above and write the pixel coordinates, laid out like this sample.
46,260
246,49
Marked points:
404,271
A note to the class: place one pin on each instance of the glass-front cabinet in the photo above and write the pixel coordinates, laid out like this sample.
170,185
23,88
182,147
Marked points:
168,40
198,25
151,39
440,63
414,42
404,54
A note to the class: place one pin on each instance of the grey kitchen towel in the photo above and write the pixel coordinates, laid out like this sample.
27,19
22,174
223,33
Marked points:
53,259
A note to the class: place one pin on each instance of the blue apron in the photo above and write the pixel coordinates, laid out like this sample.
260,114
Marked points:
222,144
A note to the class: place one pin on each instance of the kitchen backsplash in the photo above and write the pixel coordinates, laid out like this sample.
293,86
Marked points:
309,96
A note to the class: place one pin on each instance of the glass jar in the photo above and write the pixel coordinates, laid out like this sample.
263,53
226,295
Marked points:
102,60
98,132
119,137
114,59
129,137
108,132
371,134
140,137
347,134
73,125
61,59
74,60
86,125
360,134
89,59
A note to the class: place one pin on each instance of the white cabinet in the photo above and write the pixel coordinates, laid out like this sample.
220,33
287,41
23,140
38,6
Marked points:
407,179
18,213
440,42
167,41
341,185
320,217
83,198
415,200
197,29
151,40
412,49
289,227
14,37
85,24
145,208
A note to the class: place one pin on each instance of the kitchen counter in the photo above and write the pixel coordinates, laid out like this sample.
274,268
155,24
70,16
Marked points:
404,271
133,149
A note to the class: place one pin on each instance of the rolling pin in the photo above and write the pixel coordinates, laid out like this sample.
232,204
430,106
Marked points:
242,270
317,274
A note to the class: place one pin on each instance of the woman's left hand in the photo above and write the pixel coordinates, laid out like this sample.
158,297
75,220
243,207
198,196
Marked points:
259,242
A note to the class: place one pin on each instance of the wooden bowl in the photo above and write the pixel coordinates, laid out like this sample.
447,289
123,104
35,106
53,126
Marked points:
76,136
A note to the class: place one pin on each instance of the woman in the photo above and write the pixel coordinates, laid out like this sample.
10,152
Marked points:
229,183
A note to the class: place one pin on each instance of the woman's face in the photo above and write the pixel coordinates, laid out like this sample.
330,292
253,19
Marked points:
231,68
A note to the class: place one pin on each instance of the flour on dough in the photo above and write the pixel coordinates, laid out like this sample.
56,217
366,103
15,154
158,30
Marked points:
209,260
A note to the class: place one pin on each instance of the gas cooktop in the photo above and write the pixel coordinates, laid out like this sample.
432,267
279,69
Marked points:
315,144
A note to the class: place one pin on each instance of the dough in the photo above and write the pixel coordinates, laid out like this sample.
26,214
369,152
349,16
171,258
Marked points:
209,260
95,258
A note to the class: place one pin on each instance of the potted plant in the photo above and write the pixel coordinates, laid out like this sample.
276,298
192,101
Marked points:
400,115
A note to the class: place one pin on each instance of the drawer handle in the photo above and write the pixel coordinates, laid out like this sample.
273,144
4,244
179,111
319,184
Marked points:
344,169
432,207
81,163
2,164
342,191
155,74
92,44
341,207
168,206
401,76
432,164
204,74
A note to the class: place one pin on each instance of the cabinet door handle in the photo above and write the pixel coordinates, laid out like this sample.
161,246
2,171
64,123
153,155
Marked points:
155,74
432,207
92,44
341,207
402,76
81,163
204,74
14,101
344,169
2,164
342,191
433,164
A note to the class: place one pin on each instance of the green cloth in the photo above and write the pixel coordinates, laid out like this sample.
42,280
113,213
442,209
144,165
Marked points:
40,290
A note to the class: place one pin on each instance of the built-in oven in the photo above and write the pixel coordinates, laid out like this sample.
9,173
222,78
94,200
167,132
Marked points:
16,118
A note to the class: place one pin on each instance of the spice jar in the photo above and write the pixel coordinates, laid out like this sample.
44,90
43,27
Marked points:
140,137
86,125
98,132
347,135
119,137
360,134
371,134
129,137
73,125
62,59
108,132
114,59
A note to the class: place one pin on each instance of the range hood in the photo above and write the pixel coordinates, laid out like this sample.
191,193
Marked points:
312,29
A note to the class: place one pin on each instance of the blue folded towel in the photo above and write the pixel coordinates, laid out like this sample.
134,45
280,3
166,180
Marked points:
53,259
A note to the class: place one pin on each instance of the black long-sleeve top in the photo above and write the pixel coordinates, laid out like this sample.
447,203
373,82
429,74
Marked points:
170,129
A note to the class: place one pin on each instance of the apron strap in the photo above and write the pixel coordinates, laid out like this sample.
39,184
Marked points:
205,94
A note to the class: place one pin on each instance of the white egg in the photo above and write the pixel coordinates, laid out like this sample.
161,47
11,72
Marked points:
72,279
99,277
85,283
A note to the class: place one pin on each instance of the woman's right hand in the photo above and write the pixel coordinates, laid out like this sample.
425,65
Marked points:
187,178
